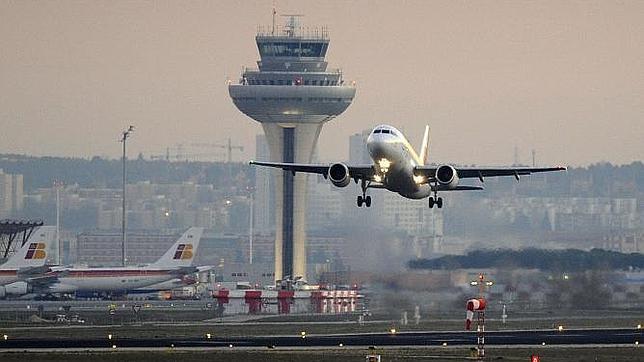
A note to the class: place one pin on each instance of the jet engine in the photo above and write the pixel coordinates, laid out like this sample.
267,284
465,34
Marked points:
446,175
62,288
17,288
339,174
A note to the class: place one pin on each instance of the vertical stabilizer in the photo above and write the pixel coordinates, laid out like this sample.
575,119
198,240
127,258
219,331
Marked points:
424,147
34,252
182,252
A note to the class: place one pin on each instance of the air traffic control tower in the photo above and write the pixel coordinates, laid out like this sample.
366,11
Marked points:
292,94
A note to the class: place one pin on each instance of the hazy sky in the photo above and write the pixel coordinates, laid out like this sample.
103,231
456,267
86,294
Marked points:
563,77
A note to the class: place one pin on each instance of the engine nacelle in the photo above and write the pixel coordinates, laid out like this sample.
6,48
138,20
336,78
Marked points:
446,175
339,174
17,288
62,288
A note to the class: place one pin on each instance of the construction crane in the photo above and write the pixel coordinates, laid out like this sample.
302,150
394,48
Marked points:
179,152
229,147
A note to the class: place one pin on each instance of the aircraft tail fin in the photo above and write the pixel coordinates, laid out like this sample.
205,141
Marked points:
34,252
424,147
182,252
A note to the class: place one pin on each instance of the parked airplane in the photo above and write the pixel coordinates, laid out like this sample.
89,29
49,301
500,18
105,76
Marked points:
397,167
27,263
174,263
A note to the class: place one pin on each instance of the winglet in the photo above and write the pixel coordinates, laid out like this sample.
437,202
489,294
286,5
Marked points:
424,147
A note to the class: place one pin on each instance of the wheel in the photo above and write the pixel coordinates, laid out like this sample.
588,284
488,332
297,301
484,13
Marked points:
360,201
439,202
368,201
431,202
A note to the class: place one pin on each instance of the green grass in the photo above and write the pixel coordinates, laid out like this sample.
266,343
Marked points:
625,354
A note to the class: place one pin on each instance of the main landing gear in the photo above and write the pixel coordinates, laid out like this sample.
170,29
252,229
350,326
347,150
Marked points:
364,199
438,202
435,200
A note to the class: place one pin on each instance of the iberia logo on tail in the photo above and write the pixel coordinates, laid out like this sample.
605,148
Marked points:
184,251
36,251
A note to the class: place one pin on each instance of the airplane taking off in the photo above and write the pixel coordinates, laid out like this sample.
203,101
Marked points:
27,264
397,167
174,263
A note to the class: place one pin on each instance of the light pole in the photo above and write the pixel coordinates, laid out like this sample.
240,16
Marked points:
58,185
124,137
250,231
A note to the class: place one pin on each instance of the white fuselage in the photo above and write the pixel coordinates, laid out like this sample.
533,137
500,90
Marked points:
109,279
395,159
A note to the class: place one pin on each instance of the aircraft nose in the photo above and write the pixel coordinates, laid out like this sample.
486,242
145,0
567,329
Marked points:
375,147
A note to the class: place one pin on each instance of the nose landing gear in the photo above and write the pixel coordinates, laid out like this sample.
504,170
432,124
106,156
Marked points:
364,199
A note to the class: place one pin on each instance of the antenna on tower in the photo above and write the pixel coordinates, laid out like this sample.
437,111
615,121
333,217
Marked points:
274,12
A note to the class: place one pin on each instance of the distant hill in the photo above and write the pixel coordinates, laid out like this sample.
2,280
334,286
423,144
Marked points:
569,260
40,172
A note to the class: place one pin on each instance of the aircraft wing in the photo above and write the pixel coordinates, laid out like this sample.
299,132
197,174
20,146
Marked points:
43,281
30,271
355,171
481,173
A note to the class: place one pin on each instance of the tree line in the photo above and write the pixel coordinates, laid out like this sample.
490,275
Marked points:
568,260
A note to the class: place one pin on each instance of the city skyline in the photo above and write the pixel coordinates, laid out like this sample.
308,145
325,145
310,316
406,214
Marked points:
560,78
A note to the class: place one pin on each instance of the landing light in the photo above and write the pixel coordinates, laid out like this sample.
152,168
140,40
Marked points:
419,179
560,328
208,335
384,164
639,326
113,346
444,344
392,331
303,334
109,336
5,337
377,178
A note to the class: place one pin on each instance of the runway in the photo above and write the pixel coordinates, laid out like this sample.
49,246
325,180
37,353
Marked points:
457,338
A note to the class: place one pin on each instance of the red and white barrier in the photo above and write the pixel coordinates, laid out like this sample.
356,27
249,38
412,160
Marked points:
473,305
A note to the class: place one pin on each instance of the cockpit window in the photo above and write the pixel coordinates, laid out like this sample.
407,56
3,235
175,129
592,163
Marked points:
385,131
376,131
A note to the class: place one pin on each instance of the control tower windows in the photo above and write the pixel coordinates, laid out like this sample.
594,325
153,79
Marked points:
292,49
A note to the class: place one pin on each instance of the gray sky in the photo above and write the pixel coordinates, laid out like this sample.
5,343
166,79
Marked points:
563,77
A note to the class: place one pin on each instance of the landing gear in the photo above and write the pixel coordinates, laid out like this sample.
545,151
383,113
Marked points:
364,199
438,202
